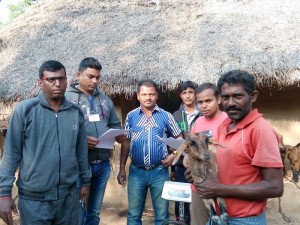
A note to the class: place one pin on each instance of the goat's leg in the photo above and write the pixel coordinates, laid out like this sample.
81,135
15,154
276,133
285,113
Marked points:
224,217
214,218
295,177
285,218
208,203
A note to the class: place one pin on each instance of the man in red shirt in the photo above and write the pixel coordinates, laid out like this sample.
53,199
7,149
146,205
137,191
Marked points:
249,163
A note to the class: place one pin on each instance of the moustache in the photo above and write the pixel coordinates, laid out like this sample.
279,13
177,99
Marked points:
229,108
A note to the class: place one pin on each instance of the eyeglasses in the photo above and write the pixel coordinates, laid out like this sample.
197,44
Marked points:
53,79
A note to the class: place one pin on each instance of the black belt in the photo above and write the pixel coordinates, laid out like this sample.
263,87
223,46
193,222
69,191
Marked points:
147,167
97,161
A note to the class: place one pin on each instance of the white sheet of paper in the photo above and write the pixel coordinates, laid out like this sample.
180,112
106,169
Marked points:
176,191
107,139
172,142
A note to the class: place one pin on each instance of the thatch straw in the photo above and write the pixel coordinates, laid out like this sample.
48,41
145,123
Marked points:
168,41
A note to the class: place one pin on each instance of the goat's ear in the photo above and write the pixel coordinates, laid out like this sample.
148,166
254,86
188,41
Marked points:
179,151
213,141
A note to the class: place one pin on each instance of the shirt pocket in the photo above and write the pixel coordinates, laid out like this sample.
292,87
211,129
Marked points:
157,132
136,132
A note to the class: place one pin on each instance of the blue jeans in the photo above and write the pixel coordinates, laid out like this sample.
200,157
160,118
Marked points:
181,178
139,181
100,176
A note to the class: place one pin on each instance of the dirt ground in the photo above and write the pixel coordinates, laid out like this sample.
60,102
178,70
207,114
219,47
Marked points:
290,204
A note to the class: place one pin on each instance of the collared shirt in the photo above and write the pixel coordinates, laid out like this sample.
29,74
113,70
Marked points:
209,125
145,147
252,144
190,117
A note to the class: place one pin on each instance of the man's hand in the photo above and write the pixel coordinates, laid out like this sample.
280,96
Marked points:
168,160
92,142
207,188
84,195
173,175
188,175
121,138
7,206
122,177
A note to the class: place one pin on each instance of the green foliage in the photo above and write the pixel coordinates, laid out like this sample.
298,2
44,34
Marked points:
19,8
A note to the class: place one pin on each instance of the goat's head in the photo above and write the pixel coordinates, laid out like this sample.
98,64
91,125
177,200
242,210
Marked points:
282,148
196,144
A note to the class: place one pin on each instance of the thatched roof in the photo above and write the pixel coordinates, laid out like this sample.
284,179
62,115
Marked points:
166,40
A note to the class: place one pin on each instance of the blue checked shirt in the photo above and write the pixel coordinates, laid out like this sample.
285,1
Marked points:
145,147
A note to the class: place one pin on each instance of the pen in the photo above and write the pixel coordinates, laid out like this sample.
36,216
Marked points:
82,202
124,185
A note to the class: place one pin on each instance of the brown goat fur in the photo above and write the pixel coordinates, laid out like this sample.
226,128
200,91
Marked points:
282,152
201,160
293,155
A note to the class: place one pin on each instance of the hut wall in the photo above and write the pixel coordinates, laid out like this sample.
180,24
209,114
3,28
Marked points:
123,105
5,112
282,109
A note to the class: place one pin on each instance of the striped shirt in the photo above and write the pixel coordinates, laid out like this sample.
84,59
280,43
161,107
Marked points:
145,147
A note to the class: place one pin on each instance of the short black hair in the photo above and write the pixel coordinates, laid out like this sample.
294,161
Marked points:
51,66
238,77
187,84
205,86
147,83
89,62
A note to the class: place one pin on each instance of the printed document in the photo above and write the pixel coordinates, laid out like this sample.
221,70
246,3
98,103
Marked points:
107,139
172,142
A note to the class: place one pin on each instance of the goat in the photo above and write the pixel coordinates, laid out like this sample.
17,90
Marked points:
293,155
202,162
282,152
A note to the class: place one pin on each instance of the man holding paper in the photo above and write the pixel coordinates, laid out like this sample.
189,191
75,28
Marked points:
100,116
185,117
149,155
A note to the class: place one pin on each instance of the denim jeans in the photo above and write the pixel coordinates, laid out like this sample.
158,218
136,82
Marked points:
186,206
100,176
139,181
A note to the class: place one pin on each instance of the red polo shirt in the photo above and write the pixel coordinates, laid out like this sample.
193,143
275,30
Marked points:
252,144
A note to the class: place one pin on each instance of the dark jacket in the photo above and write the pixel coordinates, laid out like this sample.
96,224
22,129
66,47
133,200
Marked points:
50,149
180,118
101,105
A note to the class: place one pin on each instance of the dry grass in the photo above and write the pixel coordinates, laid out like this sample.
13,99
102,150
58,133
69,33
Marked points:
168,41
